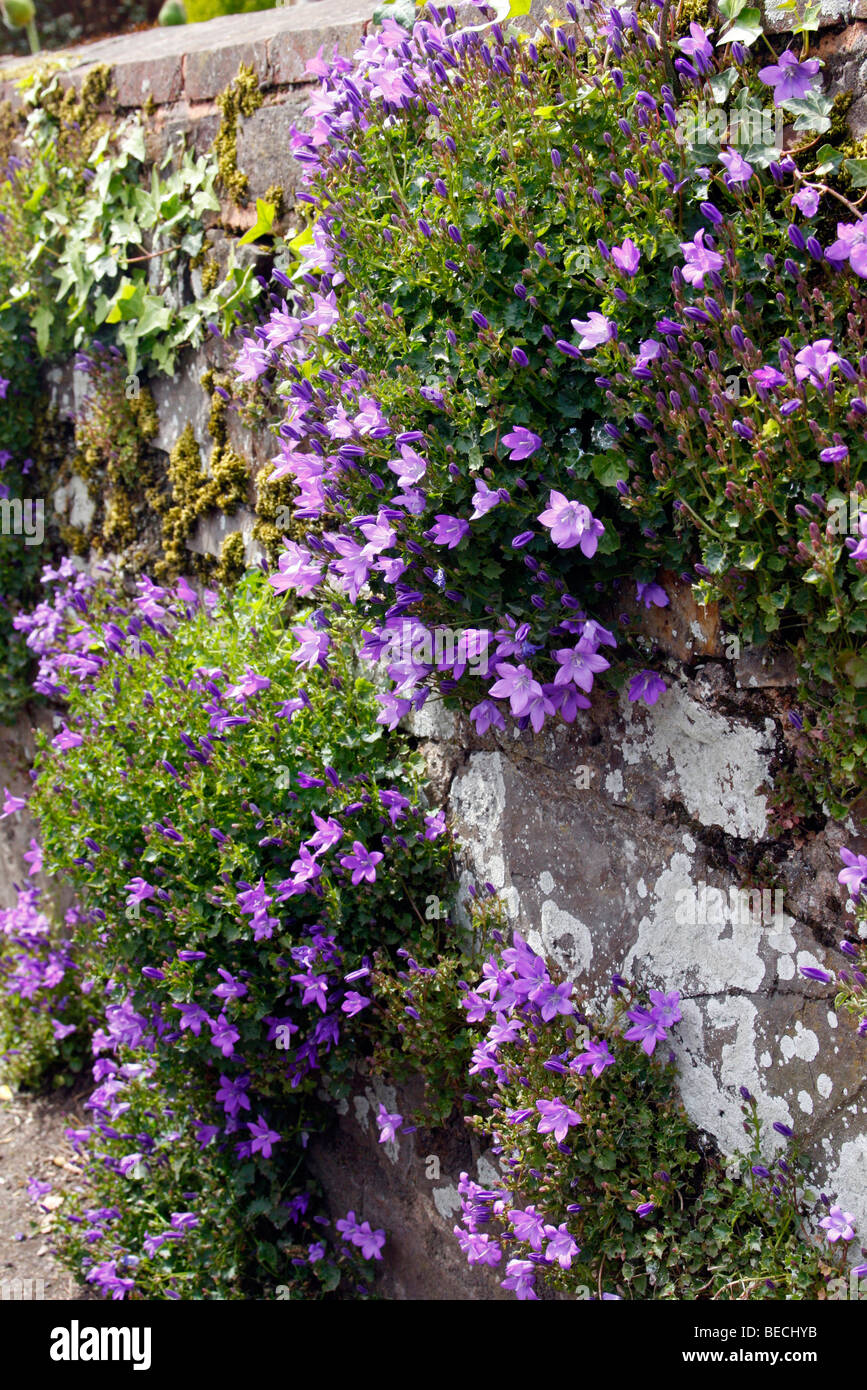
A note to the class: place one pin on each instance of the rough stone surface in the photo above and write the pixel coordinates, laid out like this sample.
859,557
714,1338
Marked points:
409,1187
616,853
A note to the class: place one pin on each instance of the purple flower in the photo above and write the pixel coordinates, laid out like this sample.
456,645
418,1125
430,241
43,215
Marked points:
645,1208
521,442
579,665
388,1125
626,257
484,499
520,1277
529,1226
854,875
851,246
362,862
768,377
646,686
139,891
448,531
839,1224
595,330
571,524
312,648
485,715
806,200
561,1246
737,168
791,80
816,361
666,1007
353,1003
11,804
264,1138
223,1035
698,47
556,1118
645,1029
812,972
596,1057
699,259
651,594
517,685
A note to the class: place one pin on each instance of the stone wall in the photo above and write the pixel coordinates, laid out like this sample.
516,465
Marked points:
597,835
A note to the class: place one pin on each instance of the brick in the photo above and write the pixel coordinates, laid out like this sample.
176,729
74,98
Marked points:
290,52
161,79
263,145
208,73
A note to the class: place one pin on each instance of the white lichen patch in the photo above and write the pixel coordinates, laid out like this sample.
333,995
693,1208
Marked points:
714,765
803,1043
447,1201
849,1181
708,957
565,939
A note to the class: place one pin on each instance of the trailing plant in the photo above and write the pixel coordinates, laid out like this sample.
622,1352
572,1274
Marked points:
235,873
549,343
606,1192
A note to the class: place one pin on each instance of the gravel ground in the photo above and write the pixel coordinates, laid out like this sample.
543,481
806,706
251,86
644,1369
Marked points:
32,1145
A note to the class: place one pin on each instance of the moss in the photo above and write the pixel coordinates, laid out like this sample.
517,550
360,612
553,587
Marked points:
840,134
695,11
276,196
210,275
242,98
144,410
76,541
193,492
232,560
80,116
119,528
149,106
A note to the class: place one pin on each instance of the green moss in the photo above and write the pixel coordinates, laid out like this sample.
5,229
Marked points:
76,541
232,560
193,492
210,275
276,196
242,98
840,134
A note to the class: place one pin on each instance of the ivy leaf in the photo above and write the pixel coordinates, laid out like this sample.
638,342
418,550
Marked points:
722,83
813,112
746,30
857,171
263,225
830,161
42,321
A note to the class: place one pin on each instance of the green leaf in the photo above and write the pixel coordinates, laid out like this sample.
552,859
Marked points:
830,160
263,225
42,321
609,469
722,83
730,9
857,171
134,144
813,112
126,292
746,30
36,197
